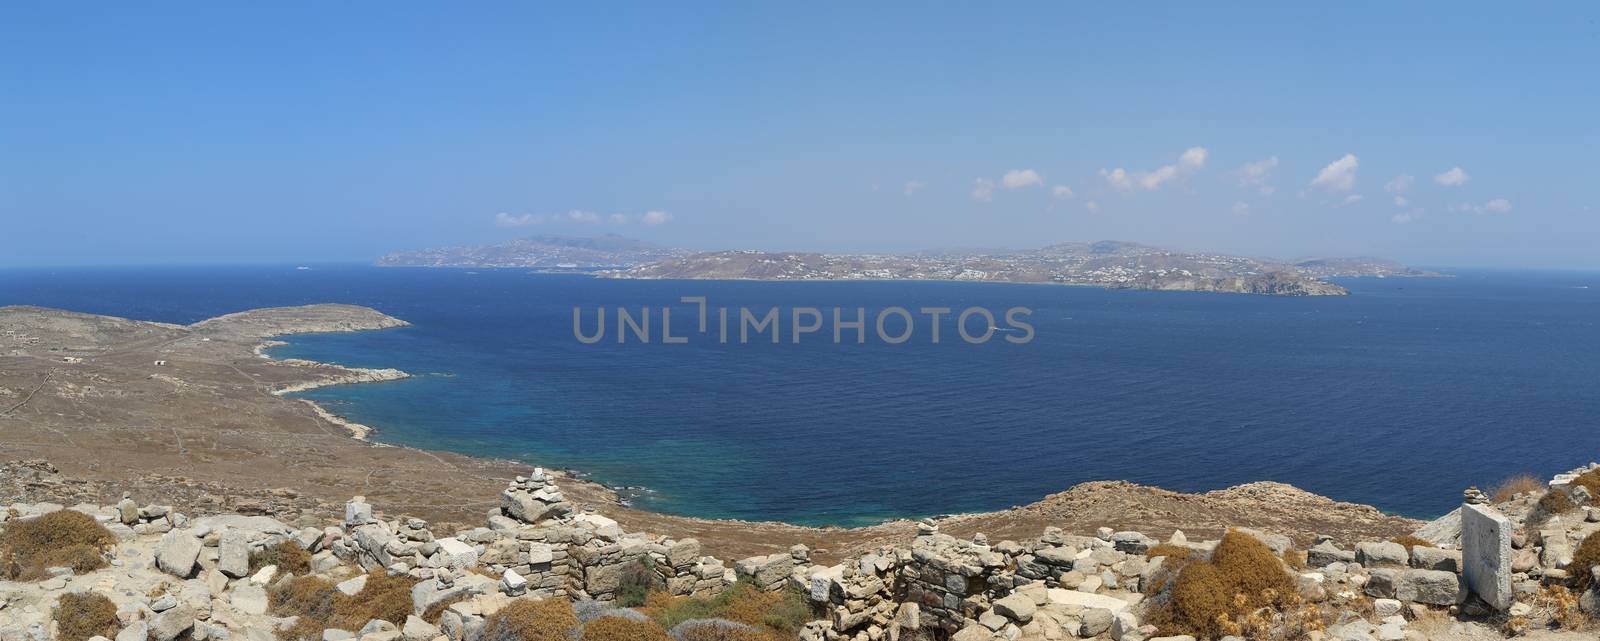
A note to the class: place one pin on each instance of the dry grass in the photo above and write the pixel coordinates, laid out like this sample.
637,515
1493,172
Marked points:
1412,542
84,615
1583,561
1511,487
527,620
1562,608
287,555
1222,596
620,629
65,538
320,606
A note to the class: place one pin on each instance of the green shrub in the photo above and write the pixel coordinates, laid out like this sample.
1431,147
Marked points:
64,538
779,614
638,580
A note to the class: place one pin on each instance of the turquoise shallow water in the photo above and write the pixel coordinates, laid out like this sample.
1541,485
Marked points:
1399,395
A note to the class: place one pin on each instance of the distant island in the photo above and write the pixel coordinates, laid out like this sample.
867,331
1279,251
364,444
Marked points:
1112,264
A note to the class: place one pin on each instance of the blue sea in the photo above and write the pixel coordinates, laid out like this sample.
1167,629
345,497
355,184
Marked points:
1399,395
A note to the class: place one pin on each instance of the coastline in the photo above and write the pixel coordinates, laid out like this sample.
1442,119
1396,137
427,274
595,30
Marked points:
358,431
208,412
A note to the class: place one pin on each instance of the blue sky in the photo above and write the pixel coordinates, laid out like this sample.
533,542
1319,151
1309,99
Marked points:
243,132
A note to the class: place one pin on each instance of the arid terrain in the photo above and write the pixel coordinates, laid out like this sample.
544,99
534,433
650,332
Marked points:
92,406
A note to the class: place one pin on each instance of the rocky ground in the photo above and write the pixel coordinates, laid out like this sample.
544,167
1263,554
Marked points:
194,416
175,576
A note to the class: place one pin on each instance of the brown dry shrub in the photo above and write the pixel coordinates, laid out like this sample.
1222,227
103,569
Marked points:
1296,559
620,629
1169,550
64,538
1219,597
1412,542
1553,503
287,555
1511,487
84,615
527,620
320,606
1590,481
1583,561
1562,605
1252,569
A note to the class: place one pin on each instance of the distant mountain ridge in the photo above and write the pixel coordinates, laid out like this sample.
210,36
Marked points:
1107,263
539,252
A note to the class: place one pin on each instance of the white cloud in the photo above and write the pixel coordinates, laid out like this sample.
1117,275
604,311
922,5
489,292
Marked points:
1399,184
578,217
1339,175
1401,201
1241,208
983,190
1193,159
503,219
1092,206
1456,177
1118,178
1018,178
1495,206
1062,192
1406,216
1353,199
1255,174
914,186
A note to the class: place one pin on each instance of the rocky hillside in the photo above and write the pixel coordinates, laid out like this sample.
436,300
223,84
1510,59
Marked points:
153,572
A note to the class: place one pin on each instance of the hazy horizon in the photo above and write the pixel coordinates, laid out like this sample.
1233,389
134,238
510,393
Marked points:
1439,135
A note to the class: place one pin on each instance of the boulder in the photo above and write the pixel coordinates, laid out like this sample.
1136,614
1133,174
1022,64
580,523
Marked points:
171,624
417,629
233,553
248,598
1380,553
177,552
1016,607
1426,558
1326,553
1433,587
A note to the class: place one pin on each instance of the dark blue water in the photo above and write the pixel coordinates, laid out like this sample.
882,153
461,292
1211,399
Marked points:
1399,395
